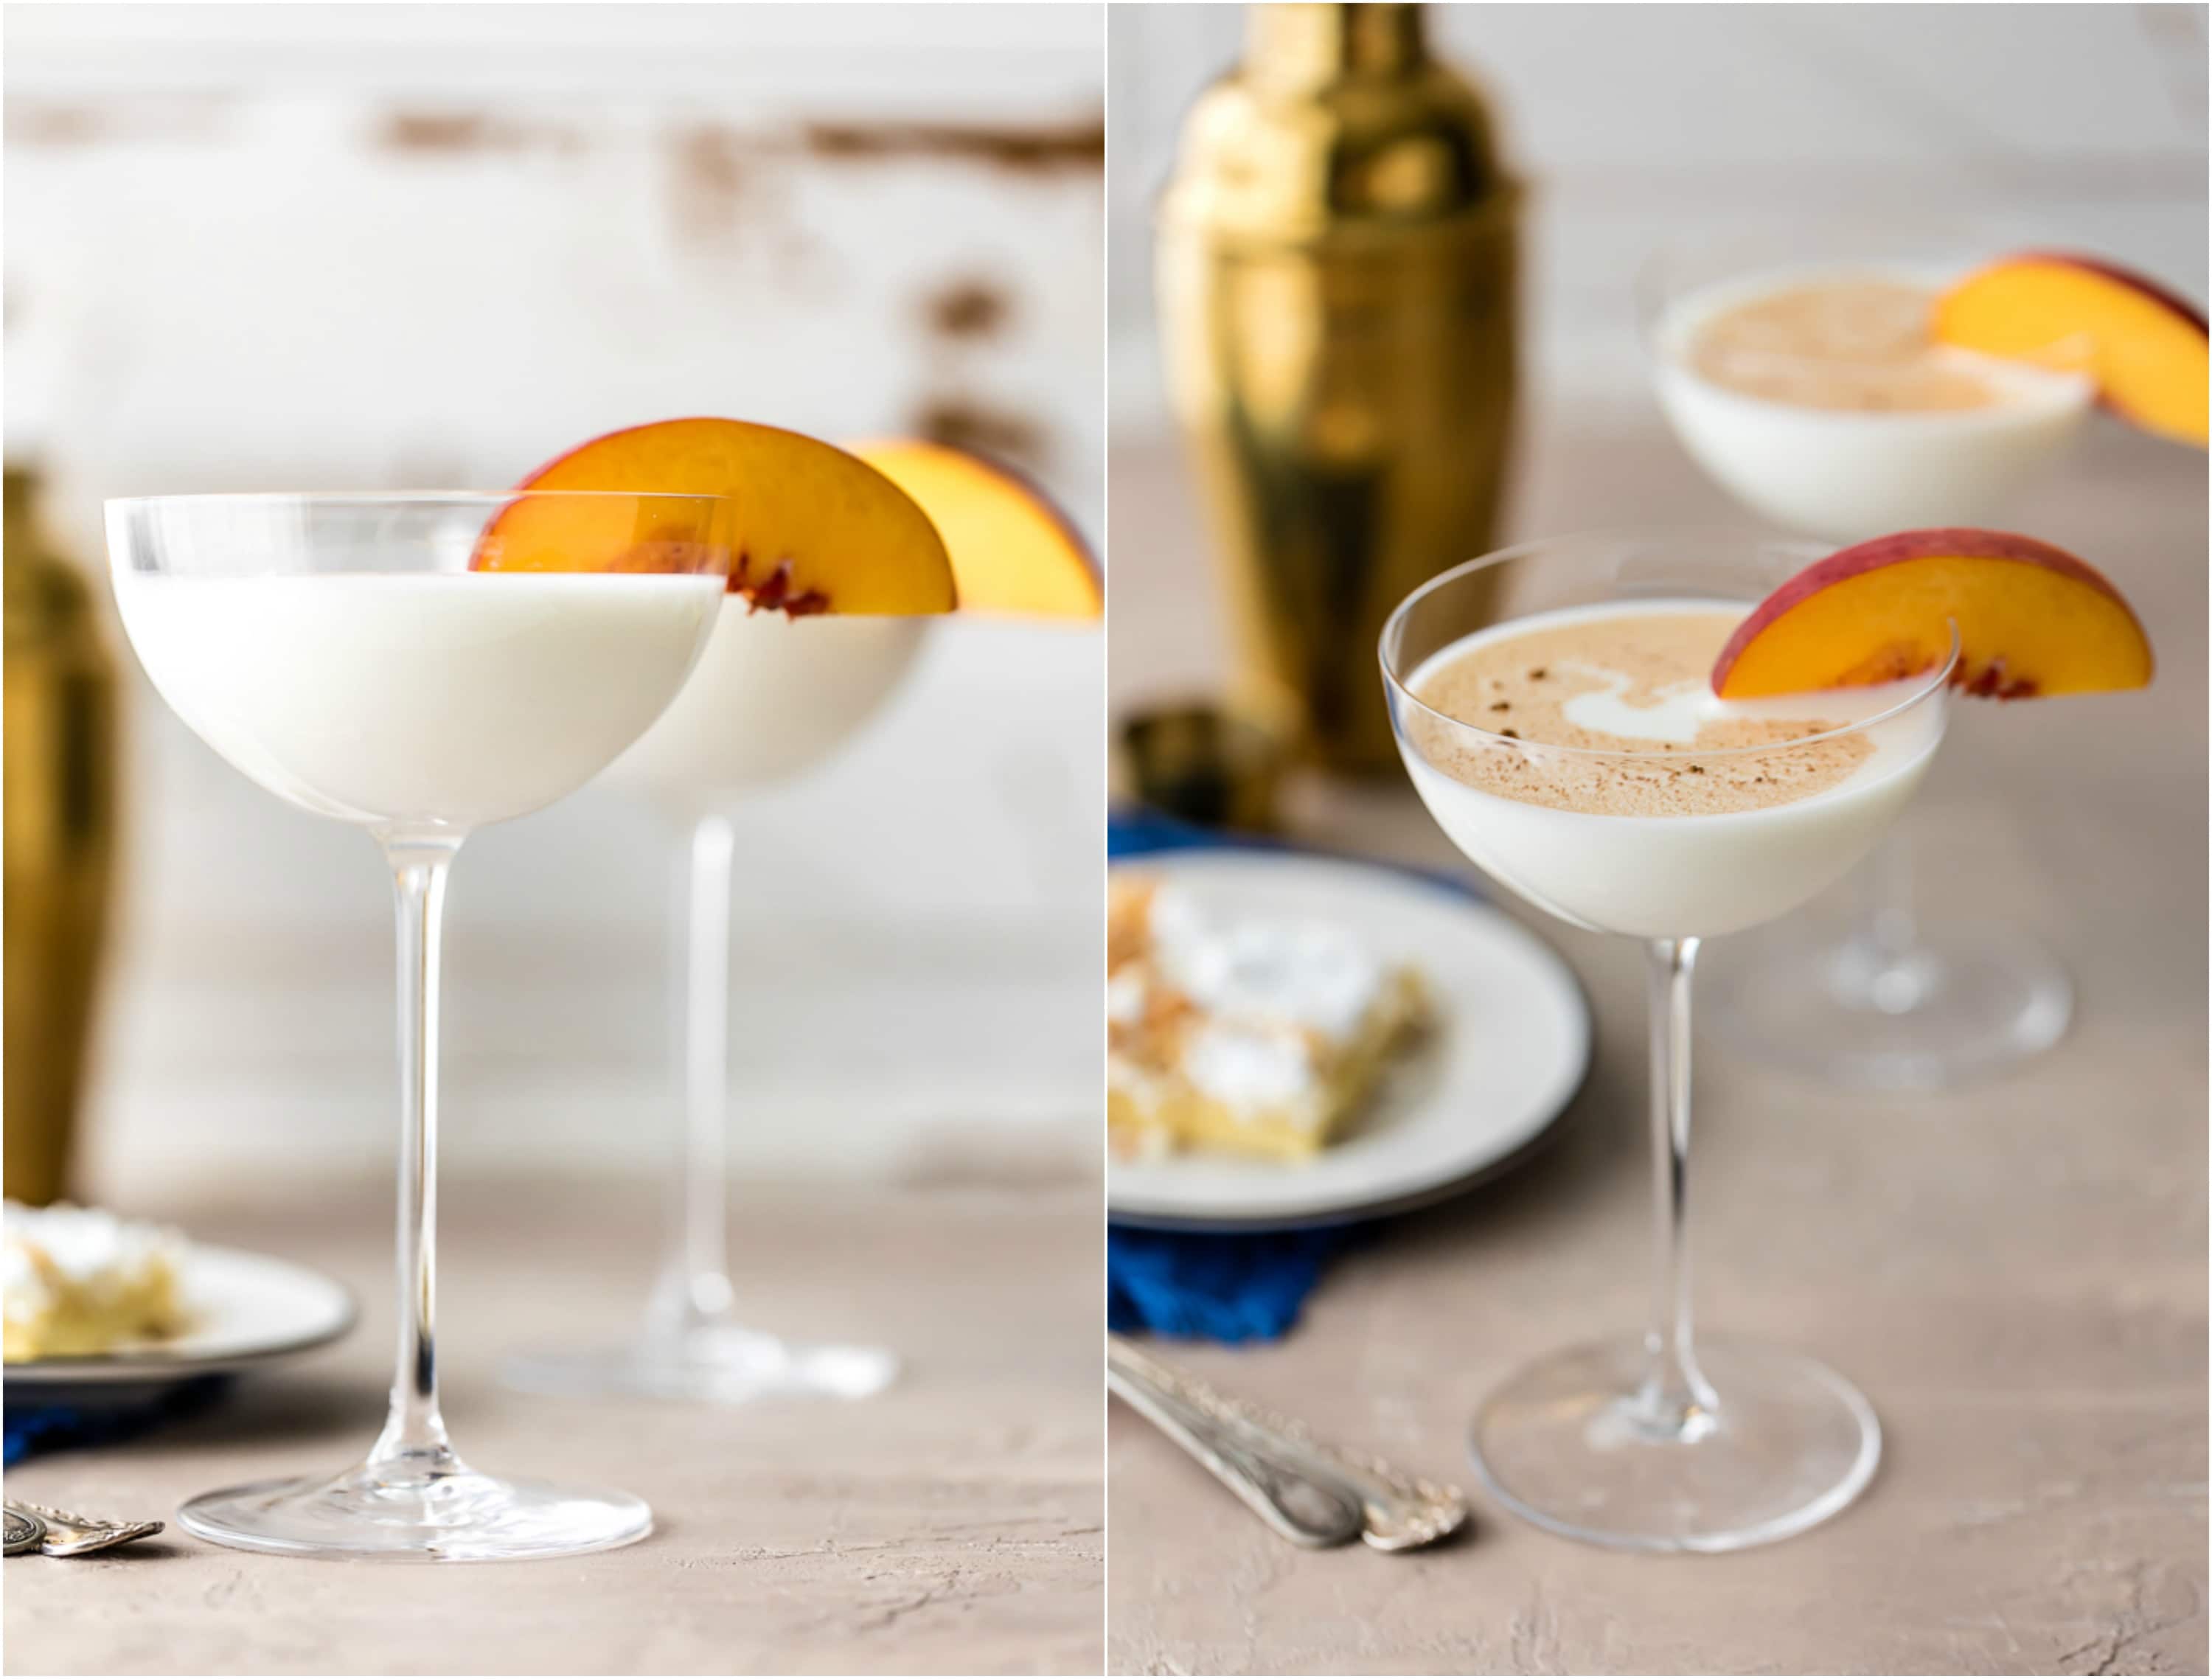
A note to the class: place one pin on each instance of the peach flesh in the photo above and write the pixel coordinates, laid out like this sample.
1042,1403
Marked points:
813,529
2033,620
1014,552
2147,347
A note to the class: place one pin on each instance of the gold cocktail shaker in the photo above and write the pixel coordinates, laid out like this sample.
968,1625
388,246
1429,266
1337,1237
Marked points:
1337,288
58,780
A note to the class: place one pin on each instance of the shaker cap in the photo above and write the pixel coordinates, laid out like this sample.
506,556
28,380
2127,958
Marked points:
1337,119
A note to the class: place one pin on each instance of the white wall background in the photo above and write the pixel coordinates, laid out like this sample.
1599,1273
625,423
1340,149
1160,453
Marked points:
376,246
1635,123
342,247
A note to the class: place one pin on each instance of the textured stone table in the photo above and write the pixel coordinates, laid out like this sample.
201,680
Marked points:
953,1524
2015,1274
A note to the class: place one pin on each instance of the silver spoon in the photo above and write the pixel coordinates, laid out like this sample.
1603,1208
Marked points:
66,1534
1312,1494
22,1530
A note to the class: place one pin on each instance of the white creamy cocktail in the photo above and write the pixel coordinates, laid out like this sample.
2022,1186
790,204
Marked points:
1661,810
1816,396
835,574
836,571
773,696
452,699
1801,370
418,665
1556,707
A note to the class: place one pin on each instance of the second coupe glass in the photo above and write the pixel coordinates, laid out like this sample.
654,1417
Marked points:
773,695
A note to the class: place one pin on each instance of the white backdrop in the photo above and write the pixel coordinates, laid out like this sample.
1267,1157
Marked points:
322,246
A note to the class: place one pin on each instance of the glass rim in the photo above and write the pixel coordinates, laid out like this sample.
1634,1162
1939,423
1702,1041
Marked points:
1399,686
398,497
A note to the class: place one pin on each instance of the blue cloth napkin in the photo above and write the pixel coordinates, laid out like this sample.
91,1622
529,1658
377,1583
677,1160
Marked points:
1198,1285
1203,1285
31,1430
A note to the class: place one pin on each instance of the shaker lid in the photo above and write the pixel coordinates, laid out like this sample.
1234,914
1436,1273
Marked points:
1337,119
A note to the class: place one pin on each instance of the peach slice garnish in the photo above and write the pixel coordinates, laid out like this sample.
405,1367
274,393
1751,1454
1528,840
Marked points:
1013,551
2147,348
2033,620
812,529
618,534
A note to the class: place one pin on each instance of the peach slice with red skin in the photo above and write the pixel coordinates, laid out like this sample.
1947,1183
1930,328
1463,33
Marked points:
810,527
2033,620
1014,553
2147,348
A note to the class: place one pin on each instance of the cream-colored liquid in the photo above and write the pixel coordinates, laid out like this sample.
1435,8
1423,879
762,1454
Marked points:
400,700
1635,688
1817,398
773,695
1629,797
1857,345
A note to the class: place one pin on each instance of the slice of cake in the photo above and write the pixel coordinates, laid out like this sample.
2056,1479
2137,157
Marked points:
1254,1037
78,1281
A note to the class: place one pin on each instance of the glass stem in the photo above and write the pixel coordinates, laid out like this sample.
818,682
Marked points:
1891,924
694,1287
1676,1399
1882,966
413,1444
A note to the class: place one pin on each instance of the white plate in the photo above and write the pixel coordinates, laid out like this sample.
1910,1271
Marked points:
1511,1045
246,1307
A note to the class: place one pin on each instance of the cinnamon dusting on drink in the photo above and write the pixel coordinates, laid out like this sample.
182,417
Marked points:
1643,660
1857,345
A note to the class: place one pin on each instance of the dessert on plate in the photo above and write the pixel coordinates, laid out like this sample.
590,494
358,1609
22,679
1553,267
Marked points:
1256,1038
79,1282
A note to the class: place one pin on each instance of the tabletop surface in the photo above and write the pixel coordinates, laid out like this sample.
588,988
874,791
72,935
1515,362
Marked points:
952,1525
2015,1274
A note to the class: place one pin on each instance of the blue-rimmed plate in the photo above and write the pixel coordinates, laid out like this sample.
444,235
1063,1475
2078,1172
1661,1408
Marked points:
1507,1050
247,1310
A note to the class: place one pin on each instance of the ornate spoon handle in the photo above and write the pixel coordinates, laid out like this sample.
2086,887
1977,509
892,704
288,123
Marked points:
68,1534
1393,1511
24,1531
1304,1511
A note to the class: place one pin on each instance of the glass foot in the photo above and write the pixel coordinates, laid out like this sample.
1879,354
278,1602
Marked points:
456,1516
1571,1445
719,1366
1961,1003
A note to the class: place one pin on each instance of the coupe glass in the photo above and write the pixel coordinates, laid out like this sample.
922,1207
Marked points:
1891,999
774,696
1655,1443
341,651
